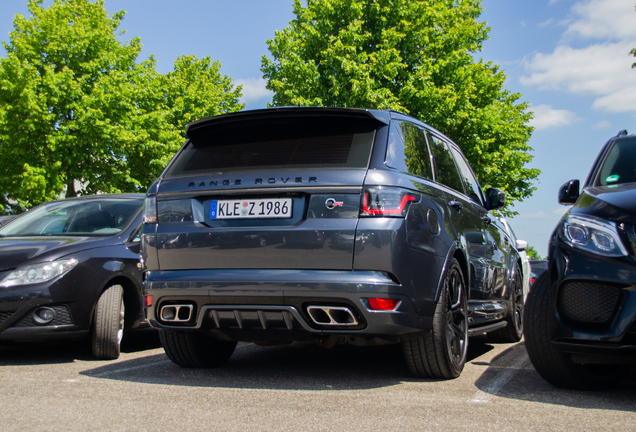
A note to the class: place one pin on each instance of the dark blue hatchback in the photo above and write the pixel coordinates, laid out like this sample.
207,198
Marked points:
71,268
331,225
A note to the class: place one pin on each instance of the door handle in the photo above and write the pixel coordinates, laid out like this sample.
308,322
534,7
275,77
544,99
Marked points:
456,205
486,219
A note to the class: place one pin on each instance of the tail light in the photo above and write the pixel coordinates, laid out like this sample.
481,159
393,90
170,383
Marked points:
386,201
150,210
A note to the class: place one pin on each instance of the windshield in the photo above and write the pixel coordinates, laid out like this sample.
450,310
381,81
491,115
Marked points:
76,217
619,166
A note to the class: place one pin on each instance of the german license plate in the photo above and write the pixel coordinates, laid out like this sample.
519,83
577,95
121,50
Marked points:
269,208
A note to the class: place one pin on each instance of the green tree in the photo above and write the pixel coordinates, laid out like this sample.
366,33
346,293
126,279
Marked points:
76,107
533,254
413,56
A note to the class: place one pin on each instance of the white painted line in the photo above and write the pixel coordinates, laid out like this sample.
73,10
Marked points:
128,369
501,380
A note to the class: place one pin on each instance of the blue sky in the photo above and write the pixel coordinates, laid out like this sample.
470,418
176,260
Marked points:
568,58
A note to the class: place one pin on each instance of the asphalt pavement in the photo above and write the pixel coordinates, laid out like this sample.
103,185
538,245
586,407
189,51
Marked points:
297,387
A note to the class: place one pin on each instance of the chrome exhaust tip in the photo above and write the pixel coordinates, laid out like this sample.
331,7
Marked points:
176,313
332,315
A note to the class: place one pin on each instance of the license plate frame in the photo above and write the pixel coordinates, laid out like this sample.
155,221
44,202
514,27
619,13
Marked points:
251,208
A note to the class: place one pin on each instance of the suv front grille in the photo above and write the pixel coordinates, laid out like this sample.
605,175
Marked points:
588,302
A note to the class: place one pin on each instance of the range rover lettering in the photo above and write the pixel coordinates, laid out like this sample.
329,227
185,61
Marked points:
330,225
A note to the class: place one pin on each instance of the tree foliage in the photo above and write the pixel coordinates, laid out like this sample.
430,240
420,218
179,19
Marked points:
412,56
76,107
533,254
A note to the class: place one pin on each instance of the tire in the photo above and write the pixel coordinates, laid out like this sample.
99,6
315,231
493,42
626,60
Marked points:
108,325
441,352
195,350
514,330
554,366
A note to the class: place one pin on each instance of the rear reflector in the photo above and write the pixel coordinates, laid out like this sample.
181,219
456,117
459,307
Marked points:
386,201
148,299
383,304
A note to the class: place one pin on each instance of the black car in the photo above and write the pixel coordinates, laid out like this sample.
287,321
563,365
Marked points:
537,267
581,313
71,268
329,225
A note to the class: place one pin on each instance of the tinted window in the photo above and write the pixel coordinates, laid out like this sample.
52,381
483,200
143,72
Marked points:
278,144
445,169
620,165
408,151
468,178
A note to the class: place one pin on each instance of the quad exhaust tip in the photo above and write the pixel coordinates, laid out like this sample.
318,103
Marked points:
332,315
176,313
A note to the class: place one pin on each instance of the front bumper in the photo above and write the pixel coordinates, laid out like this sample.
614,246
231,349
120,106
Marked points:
595,305
17,308
272,304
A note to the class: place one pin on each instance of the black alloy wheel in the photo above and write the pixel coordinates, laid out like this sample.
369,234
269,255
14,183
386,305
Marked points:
513,332
441,352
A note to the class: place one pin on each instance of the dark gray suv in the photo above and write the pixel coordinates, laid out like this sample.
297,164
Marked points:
330,225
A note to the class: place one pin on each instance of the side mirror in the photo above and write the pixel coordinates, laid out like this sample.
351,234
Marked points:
521,245
569,193
495,199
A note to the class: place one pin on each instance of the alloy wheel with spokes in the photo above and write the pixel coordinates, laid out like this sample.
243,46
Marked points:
514,328
441,351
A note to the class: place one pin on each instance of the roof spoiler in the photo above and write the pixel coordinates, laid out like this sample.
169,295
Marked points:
621,133
197,128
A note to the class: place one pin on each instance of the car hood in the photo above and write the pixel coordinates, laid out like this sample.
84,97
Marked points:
616,203
16,251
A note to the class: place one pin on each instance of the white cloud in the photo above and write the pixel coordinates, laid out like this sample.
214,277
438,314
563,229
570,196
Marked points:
546,22
253,89
546,117
621,100
603,19
603,124
597,69
602,69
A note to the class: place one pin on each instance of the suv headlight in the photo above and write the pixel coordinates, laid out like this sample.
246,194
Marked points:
37,273
593,234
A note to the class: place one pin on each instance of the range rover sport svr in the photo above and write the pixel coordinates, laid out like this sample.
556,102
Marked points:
331,225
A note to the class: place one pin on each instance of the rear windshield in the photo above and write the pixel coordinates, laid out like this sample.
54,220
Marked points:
76,217
297,142
620,164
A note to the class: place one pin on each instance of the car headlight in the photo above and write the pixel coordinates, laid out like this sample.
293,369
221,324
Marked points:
593,234
37,273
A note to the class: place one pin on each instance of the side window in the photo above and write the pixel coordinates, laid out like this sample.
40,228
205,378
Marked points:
468,178
445,169
408,150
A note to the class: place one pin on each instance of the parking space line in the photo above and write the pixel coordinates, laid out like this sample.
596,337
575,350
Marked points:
501,380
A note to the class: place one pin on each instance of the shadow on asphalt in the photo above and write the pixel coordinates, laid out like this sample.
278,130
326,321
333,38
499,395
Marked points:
298,366
68,351
527,385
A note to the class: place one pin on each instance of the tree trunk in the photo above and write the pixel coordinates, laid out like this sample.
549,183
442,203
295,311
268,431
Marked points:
70,188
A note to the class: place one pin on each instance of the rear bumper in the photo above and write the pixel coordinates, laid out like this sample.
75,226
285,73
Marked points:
272,304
